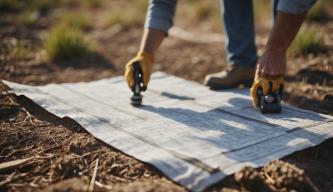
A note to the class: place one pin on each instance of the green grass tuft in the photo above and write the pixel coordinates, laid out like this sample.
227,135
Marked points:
21,51
127,17
122,19
308,41
94,3
199,11
28,18
141,5
6,5
318,12
66,43
42,6
76,20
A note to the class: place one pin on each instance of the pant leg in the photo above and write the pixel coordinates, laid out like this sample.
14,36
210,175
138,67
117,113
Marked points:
275,5
239,29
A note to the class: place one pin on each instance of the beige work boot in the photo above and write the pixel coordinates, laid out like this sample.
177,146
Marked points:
231,77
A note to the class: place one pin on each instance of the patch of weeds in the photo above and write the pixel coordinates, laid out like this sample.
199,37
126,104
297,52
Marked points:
28,18
21,51
76,20
318,12
141,5
123,18
67,43
8,5
308,41
42,6
94,3
262,9
132,15
199,10
217,17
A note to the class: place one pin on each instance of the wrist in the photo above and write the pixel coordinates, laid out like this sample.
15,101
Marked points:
147,55
277,50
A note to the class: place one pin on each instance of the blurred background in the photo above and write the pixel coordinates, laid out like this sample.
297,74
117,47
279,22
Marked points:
44,41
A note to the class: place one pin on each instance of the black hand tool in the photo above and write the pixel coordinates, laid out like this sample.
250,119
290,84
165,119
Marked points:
136,99
270,103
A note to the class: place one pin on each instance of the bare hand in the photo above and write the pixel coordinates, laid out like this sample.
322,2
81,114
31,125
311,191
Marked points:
272,64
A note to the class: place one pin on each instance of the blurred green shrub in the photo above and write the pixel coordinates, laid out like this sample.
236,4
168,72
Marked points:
67,43
9,4
131,15
77,20
123,19
262,9
319,11
201,11
308,41
94,3
28,18
141,5
41,6
21,51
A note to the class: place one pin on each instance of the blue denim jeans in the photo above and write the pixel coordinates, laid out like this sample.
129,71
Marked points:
238,23
237,16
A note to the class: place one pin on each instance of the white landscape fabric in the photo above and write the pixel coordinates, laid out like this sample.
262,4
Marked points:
193,135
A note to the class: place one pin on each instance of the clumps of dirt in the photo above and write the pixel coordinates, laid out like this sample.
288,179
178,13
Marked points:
250,179
284,176
67,167
83,143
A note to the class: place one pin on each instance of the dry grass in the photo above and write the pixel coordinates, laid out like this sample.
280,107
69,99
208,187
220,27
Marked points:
199,11
67,43
28,18
76,20
42,6
319,11
21,51
94,3
308,41
262,9
124,19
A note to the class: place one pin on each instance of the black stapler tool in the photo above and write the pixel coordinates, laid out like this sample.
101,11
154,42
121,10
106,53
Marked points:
136,99
271,102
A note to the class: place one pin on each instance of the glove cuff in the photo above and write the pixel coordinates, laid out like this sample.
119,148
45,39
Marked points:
144,54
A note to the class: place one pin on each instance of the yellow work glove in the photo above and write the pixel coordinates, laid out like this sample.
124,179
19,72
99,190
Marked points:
263,83
146,61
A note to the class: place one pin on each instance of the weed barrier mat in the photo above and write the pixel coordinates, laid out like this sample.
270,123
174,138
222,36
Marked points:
193,135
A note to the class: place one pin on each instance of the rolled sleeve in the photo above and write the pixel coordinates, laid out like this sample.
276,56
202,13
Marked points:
160,14
295,6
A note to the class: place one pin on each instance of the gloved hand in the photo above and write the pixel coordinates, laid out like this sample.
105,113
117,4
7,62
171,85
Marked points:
146,61
263,83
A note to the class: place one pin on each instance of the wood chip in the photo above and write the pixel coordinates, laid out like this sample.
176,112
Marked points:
92,182
13,164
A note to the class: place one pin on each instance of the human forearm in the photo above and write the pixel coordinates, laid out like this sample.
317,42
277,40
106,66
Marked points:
151,40
158,22
273,62
284,31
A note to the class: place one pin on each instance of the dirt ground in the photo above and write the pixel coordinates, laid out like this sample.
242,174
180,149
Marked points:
65,156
